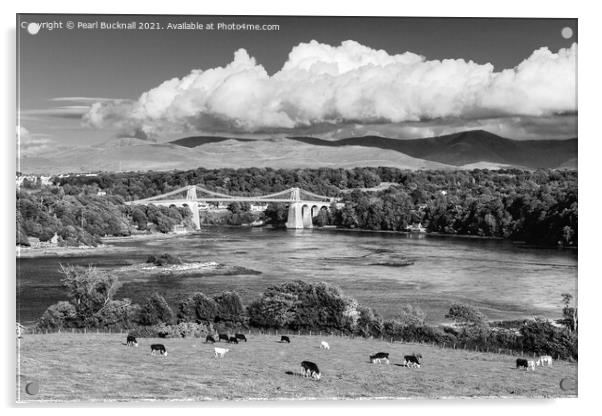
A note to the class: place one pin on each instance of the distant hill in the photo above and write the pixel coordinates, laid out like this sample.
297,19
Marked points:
470,147
466,150
195,141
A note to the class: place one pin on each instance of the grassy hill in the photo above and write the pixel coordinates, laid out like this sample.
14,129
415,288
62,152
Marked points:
85,367
469,147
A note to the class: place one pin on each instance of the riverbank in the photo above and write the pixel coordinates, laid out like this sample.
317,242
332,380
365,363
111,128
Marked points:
106,247
521,244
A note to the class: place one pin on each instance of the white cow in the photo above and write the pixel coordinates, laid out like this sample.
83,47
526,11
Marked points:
324,345
544,360
220,352
531,365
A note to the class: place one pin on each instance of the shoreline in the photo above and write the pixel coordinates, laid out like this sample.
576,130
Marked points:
106,246
516,243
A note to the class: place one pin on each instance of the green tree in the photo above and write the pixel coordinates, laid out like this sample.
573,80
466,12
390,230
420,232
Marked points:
88,289
569,313
155,310
466,315
411,316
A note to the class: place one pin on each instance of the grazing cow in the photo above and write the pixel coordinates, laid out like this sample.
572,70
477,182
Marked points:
324,345
311,370
241,337
380,357
160,348
413,360
232,340
209,339
544,360
131,341
531,365
220,352
527,364
284,338
223,337
521,362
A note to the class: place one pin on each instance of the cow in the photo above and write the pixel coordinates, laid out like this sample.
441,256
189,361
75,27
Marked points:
531,365
414,360
160,348
380,357
324,345
311,370
209,339
232,340
284,338
130,341
527,364
220,352
241,337
223,337
544,360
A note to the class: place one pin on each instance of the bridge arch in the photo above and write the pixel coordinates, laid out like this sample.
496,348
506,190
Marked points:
306,212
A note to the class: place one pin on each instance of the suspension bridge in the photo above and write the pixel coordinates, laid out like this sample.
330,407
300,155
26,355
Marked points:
303,205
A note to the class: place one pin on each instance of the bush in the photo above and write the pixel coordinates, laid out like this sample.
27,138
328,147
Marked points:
299,305
542,337
229,307
411,316
198,308
156,310
181,330
58,316
89,289
163,259
118,314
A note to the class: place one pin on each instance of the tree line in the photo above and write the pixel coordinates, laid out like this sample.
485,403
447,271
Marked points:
538,207
297,306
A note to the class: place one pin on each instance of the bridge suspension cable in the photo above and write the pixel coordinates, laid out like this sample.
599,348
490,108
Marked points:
312,195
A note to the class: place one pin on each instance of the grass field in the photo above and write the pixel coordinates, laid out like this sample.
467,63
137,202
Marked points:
92,367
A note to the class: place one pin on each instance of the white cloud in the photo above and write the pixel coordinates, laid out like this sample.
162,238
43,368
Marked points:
29,144
349,83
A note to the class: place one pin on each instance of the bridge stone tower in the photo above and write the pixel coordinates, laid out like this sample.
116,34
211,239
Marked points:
299,215
193,204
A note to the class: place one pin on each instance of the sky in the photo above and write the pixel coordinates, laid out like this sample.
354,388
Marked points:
329,77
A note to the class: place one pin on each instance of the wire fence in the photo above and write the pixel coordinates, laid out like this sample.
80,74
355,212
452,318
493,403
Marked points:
466,346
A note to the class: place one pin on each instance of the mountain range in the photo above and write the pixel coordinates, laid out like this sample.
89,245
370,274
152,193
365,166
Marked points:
465,150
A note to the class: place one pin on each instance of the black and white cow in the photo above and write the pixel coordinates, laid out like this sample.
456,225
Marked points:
209,339
311,370
284,338
131,341
526,364
223,337
414,360
160,348
380,357
232,340
241,337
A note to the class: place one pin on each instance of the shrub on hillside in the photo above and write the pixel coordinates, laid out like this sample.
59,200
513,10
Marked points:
299,305
229,307
181,330
58,316
197,308
117,314
410,315
542,337
156,310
